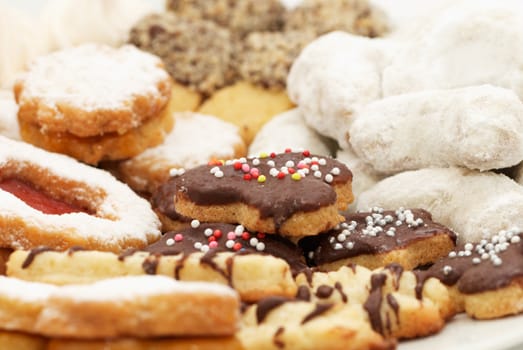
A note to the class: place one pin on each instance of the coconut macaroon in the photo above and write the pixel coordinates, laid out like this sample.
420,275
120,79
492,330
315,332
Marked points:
94,102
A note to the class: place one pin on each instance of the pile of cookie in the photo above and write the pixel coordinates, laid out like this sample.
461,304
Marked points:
210,248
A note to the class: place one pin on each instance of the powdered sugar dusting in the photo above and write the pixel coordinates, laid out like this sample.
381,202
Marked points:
8,120
25,291
120,213
93,77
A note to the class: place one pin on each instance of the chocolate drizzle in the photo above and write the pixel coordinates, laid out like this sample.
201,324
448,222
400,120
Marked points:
74,249
126,253
393,303
339,288
319,310
150,265
373,303
180,265
396,271
303,293
324,291
208,259
32,254
276,338
265,306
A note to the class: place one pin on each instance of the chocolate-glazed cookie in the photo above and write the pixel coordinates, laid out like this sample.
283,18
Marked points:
292,193
381,237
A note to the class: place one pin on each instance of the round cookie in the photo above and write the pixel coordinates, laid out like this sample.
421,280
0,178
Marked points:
8,115
323,16
288,130
53,200
247,106
104,103
241,17
197,53
194,140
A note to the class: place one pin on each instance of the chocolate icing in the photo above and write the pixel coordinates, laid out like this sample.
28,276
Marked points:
275,198
476,278
162,200
319,310
324,251
32,254
373,303
265,306
274,244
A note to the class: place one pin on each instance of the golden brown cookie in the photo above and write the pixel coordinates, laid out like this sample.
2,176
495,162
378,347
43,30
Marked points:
247,106
93,95
21,341
294,194
380,237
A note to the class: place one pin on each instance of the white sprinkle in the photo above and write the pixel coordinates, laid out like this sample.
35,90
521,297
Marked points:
176,172
311,255
335,171
497,261
229,162
346,232
218,174
341,237
399,222
242,160
253,242
289,164
447,269
255,161
317,174
315,167
260,246
274,172
238,230
170,242
284,170
195,223
485,256
198,245
208,232
214,170
229,244
476,261
331,240
338,246
271,163
204,248
515,239
349,245
452,254
329,178
314,159
390,233
322,161
467,253
461,253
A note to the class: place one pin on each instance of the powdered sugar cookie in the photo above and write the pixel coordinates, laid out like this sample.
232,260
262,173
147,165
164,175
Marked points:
127,306
329,91
110,99
50,199
288,130
8,115
295,194
480,128
474,205
247,106
194,140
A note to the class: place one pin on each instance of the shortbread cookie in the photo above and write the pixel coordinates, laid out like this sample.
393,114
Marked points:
486,279
468,44
99,212
140,306
265,58
295,194
238,270
95,94
379,237
479,128
474,205
327,89
21,341
197,53
194,140
247,106
288,130
8,115
396,304
323,16
241,17
180,343
276,323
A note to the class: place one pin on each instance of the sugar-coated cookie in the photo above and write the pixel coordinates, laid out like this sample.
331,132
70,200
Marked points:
292,193
8,115
474,205
479,127
288,130
194,140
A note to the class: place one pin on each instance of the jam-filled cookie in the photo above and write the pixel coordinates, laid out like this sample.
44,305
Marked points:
194,140
140,306
292,193
379,237
486,278
94,102
53,200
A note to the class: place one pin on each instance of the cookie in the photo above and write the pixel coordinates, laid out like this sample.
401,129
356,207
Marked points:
141,306
324,16
53,200
238,270
380,237
194,140
247,106
21,341
276,323
480,128
295,194
474,205
197,53
8,115
241,17
90,96
329,91
396,305
486,279
288,130
163,205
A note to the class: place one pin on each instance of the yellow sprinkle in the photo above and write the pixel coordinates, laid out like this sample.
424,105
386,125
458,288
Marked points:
263,155
262,178
296,176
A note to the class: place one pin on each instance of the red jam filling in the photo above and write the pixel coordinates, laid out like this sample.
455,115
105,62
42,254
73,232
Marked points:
37,199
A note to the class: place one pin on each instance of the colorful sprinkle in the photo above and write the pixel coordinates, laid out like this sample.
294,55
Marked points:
229,244
247,177
169,242
260,246
217,233
195,223
329,178
263,155
237,165
296,177
245,236
261,178
213,244
306,153
281,175
178,237
231,235
237,246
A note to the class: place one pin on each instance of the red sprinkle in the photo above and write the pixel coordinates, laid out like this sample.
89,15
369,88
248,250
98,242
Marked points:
306,153
237,246
273,155
215,162
178,237
281,175
246,235
217,233
260,235
288,150
237,165
291,170
211,239
247,177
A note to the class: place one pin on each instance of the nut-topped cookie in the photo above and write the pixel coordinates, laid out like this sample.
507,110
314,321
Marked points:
292,193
